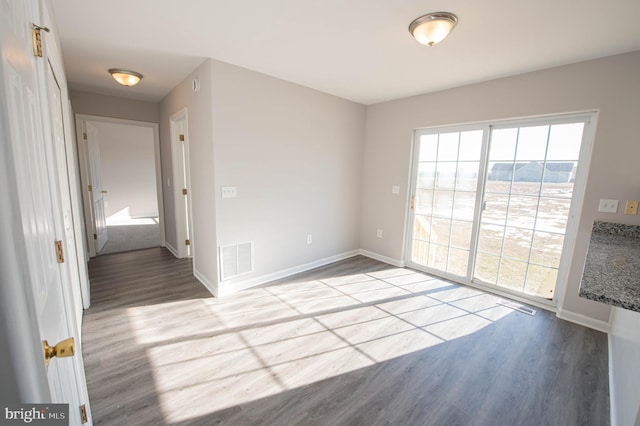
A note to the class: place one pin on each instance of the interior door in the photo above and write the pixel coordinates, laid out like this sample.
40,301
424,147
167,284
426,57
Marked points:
97,191
180,154
38,196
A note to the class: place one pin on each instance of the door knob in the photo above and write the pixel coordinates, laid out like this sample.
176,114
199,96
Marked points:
103,191
63,349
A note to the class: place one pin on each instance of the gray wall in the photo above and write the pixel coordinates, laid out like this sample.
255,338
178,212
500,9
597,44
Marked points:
200,131
611,85
295,156
114,107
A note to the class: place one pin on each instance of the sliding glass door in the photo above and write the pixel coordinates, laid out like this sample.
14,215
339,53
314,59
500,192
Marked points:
491,204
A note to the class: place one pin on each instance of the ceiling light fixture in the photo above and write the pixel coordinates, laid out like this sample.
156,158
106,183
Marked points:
432,28
125,77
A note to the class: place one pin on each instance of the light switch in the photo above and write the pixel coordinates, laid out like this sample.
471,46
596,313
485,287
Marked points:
229,192
395,189
608,206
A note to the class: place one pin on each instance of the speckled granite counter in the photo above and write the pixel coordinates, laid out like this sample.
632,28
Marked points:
612,269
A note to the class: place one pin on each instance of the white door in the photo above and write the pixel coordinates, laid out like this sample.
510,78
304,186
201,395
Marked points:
181,184
38,200
97,191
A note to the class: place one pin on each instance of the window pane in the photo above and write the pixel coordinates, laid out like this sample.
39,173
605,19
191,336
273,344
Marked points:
530,188
522,211
512,274
553,214
426,175
448,147
457,263
438,257
428,147
487,268
420,252
424,201
467,176
499,177
547,249
460,234
440,230
558,190
565,141
446,175
541,281
532,143
422,228
463,205
443,203
517,243
495,209
490,239
470,145
503,145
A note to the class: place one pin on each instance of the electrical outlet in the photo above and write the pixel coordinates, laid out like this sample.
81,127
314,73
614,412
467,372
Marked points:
379,233
229,192
631,207
395,189
608,206
309,238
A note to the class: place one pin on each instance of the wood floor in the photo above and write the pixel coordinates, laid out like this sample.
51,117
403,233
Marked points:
357,342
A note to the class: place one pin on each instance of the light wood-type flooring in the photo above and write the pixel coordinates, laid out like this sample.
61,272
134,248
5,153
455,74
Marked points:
356,342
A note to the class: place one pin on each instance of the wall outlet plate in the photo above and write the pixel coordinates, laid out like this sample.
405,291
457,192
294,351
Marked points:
631,207
608,206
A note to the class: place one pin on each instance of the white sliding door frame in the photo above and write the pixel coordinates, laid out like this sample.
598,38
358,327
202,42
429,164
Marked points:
579,189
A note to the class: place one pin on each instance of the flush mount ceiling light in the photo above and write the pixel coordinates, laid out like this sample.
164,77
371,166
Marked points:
432,28
125,77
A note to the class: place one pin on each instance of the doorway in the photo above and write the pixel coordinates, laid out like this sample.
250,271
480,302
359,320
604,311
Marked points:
121,172
496,205
179,129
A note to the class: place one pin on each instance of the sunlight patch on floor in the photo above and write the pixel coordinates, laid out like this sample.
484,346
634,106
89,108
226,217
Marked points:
219,353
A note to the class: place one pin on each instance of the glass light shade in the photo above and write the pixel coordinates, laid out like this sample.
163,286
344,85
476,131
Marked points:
124,77
433,28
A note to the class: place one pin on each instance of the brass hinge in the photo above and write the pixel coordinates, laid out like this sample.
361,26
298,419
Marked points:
59,252
95,237
36,39
84,135
181,138
83,414
184,191
187,242
413,201
90,188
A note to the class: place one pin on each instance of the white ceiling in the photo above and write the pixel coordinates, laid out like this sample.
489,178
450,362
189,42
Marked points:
359,50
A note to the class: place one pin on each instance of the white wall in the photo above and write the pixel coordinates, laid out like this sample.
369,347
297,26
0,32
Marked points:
611,85
295,156
200,121
624,370
114,107
127,155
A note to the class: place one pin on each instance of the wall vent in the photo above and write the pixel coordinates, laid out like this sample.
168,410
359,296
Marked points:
235,260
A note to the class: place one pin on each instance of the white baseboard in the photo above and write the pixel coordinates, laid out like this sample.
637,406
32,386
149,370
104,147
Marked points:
381,258
605,327
172,250
205,282
253,282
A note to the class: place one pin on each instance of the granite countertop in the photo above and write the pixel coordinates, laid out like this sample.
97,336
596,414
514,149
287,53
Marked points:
612,269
